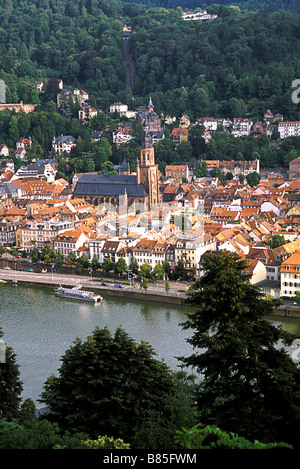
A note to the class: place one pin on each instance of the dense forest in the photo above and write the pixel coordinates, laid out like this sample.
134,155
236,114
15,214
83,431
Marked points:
240,62
237,65
252,5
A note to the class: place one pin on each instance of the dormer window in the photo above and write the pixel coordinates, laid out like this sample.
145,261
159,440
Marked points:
287,267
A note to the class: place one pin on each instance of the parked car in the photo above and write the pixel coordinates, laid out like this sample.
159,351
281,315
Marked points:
29,270
119,285
6,268
104,284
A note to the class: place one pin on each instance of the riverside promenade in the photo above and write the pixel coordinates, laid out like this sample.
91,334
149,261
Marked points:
155,293
176,295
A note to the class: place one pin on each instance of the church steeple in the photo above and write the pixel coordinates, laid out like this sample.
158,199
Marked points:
147,170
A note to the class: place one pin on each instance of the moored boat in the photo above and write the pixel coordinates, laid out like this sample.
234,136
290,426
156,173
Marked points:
76,294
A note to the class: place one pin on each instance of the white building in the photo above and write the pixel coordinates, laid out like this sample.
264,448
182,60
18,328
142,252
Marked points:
289,129
241,127
290,275
122,109
199,15
63,143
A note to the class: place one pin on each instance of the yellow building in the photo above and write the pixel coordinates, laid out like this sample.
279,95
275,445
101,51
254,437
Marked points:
184,122
19,237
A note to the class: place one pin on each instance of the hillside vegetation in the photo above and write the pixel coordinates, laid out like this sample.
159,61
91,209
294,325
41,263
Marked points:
242,61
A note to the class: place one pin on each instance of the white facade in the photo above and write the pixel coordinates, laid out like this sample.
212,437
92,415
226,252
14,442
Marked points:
289,129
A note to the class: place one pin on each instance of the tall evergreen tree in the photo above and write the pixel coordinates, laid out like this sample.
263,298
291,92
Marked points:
10,384
107,385
250,384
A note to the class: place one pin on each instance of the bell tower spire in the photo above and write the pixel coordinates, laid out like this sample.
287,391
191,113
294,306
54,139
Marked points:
148,170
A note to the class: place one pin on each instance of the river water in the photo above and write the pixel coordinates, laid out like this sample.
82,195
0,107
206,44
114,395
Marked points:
40,327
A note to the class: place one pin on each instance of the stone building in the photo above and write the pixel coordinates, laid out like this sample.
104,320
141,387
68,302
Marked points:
131,189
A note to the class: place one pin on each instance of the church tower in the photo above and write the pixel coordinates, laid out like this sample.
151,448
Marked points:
147,170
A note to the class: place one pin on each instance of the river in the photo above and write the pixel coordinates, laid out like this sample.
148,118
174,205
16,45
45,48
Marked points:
41,327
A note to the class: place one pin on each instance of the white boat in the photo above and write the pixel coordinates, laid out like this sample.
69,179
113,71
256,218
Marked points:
76,294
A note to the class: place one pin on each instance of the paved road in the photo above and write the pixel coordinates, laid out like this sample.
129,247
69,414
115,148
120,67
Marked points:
67,279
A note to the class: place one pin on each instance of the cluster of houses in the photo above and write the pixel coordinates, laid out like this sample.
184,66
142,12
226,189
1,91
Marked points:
192,218
191,215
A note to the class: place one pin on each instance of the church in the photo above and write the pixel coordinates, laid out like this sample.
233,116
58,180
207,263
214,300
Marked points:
141,188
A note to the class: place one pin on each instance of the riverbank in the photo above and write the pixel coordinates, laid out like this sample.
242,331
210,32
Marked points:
154,293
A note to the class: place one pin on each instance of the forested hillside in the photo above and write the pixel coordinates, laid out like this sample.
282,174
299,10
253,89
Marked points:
240,62
254,5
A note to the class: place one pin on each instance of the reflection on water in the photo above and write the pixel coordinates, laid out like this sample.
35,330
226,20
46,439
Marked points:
41,327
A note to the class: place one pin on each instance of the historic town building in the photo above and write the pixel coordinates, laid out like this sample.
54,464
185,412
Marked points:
124,188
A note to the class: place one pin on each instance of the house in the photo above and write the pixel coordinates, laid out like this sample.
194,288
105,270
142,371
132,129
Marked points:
289,129
294,169
177,172
120,108
150,251
76,95
63,143
35,171
241,127
184,121
260,128
110,250
39,86
198,16
8,228
4,151
268,117
290,275
209,123
179,135
122,135
86,112
188,252
38,233
149,118
70,241
257,271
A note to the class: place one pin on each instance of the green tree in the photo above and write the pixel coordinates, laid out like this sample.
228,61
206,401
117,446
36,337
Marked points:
253,179
59,258
11,386
83,262
35,255
211,437
250,384
134,266
71,259
100,393
158,272
120,266
167,285
145,270
179,270
95,264
200,169
47,254
107,264
144,284
276,241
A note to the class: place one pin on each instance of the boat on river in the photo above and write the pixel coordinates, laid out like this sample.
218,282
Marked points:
76,294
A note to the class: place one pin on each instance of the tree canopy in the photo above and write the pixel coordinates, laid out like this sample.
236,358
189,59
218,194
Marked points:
109,385
250,384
